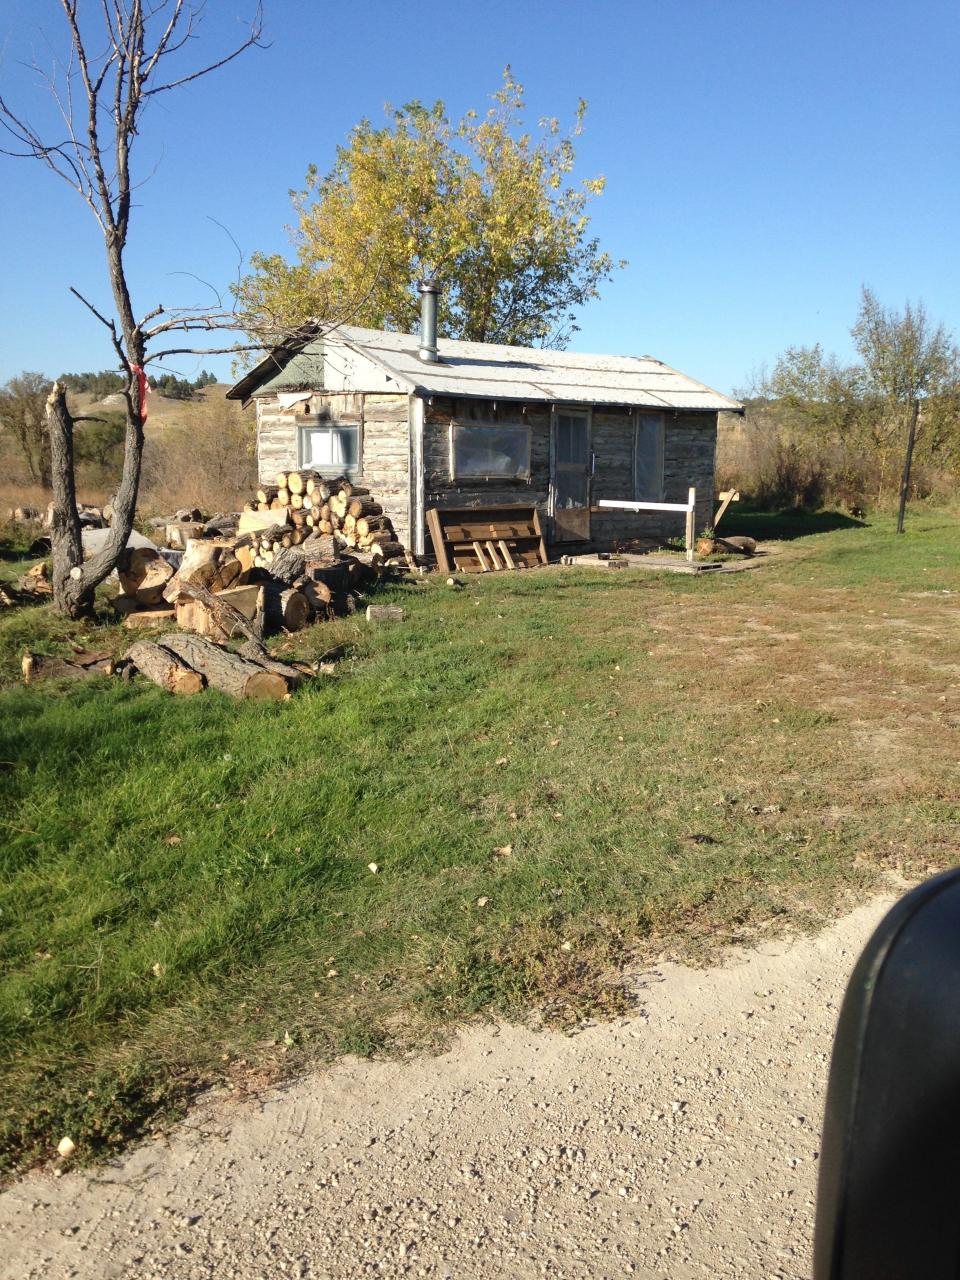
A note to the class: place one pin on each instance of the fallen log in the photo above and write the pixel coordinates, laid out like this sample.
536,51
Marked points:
229,672
164,668
37,666
744,546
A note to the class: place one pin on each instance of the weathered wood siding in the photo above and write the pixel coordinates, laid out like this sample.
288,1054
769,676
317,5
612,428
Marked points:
688,459
383,420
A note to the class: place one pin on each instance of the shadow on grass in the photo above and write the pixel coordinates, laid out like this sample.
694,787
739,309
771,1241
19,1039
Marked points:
786,525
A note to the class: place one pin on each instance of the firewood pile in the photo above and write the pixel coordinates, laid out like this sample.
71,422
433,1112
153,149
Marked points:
274,569
305,502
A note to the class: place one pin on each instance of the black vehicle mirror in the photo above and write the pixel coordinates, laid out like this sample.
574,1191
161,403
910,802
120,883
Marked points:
888,1200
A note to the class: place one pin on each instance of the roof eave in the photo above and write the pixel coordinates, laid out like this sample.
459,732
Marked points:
429,393
275,361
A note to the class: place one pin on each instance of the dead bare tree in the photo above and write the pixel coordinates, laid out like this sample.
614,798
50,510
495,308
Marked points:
101,97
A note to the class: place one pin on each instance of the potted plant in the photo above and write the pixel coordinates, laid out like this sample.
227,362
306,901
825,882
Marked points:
706,544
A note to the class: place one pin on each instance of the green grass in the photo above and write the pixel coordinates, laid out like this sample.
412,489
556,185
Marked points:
186,896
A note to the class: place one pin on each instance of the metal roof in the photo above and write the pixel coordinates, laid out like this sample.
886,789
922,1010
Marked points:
489,371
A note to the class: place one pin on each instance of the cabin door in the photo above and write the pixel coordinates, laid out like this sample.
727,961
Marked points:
570,476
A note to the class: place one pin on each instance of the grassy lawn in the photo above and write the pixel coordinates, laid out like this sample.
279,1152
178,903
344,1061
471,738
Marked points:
553,772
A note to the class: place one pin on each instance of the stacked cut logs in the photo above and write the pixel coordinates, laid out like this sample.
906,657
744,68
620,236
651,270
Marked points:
300,552
303,502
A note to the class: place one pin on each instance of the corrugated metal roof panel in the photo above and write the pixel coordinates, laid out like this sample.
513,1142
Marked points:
493,371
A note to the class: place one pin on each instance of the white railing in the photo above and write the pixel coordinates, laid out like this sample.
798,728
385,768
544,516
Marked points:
688,508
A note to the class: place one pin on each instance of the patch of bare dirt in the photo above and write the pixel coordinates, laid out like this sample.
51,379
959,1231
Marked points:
681,1141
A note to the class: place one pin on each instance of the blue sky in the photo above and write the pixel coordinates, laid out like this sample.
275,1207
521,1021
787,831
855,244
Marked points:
764,158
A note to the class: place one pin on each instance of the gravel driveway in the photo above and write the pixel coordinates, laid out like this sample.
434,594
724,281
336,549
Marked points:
679,1142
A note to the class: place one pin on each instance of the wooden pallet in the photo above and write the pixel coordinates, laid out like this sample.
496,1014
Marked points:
486,539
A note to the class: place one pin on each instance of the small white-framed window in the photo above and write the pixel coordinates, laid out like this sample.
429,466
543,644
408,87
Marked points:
489,451
648,458
329,447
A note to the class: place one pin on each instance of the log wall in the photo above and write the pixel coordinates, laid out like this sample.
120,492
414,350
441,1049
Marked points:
383,420
442,491
689,451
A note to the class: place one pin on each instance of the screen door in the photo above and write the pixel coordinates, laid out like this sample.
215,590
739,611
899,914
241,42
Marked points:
571,477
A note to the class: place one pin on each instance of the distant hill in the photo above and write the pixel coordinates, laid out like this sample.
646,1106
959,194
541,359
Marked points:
163,410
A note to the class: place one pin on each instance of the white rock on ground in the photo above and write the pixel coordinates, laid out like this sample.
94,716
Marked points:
679,1142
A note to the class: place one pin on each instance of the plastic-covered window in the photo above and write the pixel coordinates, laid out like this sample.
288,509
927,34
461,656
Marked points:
491,452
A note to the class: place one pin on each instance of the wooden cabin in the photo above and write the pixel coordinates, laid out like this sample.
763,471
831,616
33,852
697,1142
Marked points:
450,424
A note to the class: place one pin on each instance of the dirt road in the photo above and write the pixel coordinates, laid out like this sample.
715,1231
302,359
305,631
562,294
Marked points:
680,1142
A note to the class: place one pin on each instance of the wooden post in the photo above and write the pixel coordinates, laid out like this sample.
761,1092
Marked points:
905,482
691,517
728,496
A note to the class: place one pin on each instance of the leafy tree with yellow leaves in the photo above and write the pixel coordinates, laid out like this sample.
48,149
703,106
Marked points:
482,205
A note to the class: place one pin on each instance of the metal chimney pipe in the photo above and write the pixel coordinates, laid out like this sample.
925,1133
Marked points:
429,290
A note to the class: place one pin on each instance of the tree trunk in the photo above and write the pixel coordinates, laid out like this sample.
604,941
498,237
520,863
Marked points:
164,668
908,461
75,580
227,671
65,541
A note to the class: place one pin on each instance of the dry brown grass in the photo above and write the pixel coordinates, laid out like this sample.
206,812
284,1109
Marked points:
203,459
198,453
767,455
